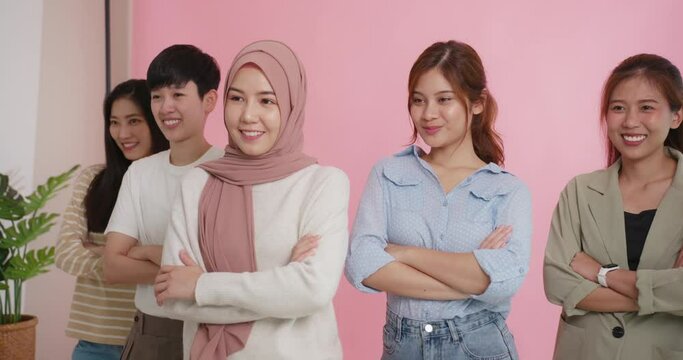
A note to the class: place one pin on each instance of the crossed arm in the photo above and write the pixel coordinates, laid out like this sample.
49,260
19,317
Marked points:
299,288
126,263
570,275
622,294
74,253
491,273
178,282
435,275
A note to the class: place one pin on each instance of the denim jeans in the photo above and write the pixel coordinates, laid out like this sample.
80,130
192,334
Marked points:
480,336
86,350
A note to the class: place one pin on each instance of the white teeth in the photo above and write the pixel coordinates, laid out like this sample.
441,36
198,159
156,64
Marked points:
171,122
129,145
634,138
252,133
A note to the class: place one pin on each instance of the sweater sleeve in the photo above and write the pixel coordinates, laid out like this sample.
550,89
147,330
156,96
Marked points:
183,233
70,254
297,289
563,286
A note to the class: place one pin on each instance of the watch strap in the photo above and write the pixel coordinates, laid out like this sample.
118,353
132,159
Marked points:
602,275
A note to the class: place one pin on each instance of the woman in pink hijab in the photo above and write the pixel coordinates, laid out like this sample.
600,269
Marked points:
235,270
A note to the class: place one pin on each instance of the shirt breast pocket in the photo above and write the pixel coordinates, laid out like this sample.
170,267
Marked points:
405,191
473,221
480,210
408,198
483,202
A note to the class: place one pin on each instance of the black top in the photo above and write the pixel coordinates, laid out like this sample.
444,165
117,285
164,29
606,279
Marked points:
637,227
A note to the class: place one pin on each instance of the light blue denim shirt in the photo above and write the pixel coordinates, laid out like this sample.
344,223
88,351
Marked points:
403,203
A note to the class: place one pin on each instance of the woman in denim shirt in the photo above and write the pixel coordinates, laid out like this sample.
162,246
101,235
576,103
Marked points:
445,233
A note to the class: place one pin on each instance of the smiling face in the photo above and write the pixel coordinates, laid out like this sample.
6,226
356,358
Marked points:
441,118
128,128
639,118
180,112
252,114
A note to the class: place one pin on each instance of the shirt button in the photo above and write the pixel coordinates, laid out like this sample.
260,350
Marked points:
429,328
136,318
618,332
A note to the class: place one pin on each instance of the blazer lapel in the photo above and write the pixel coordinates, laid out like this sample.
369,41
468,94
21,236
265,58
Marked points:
664,238
604,202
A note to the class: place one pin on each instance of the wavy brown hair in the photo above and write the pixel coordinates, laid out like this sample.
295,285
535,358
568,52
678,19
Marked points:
463,69
662,74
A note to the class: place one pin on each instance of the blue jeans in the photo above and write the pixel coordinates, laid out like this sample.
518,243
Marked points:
480,336
86,350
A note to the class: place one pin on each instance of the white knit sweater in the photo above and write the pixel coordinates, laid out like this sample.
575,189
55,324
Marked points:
290,302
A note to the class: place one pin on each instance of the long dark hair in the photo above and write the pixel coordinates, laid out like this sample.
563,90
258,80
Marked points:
460,64
662,74
104,188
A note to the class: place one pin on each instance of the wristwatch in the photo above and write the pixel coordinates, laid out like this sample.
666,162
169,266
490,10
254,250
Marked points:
602,274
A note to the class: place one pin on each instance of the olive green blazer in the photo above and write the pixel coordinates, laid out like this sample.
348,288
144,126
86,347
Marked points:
590,217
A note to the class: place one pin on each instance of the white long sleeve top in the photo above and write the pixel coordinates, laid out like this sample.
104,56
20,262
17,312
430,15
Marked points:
291,303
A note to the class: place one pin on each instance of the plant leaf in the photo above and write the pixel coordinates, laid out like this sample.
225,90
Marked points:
11,202
31,264
47,191
27,230
4,257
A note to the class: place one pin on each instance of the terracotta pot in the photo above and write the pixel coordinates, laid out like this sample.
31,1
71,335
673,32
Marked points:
18,341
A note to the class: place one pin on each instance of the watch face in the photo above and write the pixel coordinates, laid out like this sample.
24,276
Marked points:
609,266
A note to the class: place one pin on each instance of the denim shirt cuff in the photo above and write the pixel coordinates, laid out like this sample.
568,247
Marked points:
361,266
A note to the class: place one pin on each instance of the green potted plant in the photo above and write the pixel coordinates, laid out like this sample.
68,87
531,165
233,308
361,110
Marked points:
22,221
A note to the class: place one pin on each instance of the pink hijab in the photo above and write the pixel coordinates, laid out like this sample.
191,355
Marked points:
226,215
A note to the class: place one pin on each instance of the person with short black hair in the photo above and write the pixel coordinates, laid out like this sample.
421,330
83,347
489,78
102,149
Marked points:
183,82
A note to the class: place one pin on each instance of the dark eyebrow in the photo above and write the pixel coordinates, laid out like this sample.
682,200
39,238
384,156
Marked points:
242,92
415,92
127,116
639,101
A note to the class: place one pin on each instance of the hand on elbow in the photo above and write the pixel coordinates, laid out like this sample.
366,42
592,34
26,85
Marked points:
177,282
304,248
497,239
585,266
138,253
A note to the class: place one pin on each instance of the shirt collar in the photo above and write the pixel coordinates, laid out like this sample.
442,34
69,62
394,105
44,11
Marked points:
416,152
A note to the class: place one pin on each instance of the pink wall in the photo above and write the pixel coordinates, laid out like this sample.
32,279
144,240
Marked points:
546,64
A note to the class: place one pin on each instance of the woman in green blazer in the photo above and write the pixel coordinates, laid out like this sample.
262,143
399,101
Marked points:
613,259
